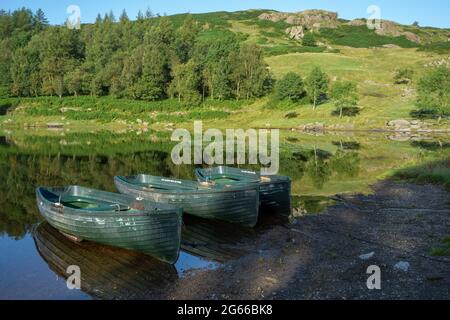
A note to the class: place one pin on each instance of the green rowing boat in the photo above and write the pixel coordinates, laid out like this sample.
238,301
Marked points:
113,219
237,204
274,191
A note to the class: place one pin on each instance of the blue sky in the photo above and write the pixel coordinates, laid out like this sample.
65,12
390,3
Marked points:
429,13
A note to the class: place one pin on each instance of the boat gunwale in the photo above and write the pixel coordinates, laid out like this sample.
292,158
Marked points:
232,189
158,208
244,174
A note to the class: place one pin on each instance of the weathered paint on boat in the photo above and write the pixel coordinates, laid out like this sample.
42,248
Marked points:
237,204
106,272
113,219
275,191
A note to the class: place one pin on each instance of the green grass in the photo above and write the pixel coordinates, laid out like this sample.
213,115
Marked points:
433,172
284,49
107,109
443,249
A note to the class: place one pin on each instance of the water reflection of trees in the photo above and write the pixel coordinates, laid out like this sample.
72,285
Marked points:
319,166
22,173
92,160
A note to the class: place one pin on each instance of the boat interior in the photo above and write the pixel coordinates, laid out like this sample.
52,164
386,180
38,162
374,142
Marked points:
81,202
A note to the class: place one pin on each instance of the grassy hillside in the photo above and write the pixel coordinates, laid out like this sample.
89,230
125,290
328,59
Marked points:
345,53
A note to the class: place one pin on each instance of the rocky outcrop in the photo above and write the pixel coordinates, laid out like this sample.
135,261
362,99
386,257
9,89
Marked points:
357,23
389,28
295,33
392,29
314,19
273,16
309,19
411,36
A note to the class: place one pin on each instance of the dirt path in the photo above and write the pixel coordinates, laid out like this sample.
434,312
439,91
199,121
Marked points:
317,256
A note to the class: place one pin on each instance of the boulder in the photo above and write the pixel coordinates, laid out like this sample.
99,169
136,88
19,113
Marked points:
402,266
295,33
400,123
367,256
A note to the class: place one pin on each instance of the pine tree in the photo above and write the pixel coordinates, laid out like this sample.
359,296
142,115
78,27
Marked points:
140,16
124,17
148,14
39,20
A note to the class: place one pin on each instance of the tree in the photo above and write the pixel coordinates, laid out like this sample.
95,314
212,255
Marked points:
317,86
250,75
98,19
213,56
60,50
148,13
403,76
155,74
124,17
434,92
39,20
74,81
415,24
140,16
185,38
345,96
290,87
20,73
185,83
309,40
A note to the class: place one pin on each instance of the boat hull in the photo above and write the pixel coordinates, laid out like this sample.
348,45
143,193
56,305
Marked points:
236,205
274,191
155,234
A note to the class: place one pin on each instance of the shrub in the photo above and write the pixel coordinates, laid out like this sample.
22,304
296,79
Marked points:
362,37
309,40
437,47
434,93
284,49
403,76
291,115
290,87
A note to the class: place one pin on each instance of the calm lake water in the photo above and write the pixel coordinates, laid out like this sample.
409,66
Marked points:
34,256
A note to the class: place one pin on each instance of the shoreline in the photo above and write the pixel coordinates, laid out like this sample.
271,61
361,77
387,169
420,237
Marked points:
319,256
167,127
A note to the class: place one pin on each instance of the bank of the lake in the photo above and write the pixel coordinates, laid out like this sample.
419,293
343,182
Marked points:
111,113
402,228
